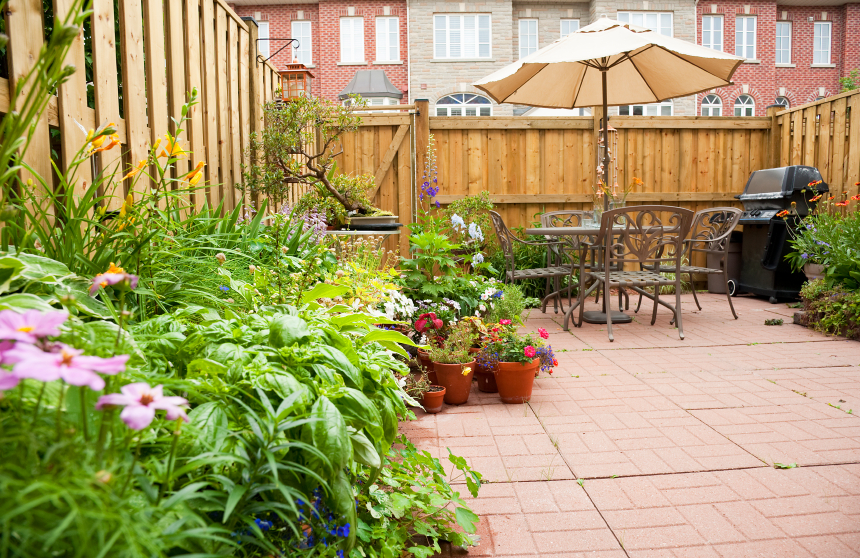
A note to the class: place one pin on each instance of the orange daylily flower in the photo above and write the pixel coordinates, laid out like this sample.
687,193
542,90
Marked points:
114,141
140,166
196,174
841,204
173,149
816,198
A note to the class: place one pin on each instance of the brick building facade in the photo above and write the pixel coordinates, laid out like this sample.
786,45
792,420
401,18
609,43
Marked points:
331,74
796,78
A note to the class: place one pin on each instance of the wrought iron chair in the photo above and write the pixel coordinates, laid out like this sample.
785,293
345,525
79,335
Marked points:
571,245
512,274
646,237
710,233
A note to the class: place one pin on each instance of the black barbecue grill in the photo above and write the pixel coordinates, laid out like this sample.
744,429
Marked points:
764,270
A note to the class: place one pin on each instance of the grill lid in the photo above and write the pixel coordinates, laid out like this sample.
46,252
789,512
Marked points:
780,183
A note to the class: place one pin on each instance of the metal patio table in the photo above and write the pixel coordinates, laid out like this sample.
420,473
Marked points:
592,317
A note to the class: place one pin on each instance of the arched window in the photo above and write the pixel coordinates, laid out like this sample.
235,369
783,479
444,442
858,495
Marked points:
464,104
744,106
783,101
712,106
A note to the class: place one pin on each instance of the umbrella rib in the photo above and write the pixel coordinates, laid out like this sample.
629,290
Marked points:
658,99
652,45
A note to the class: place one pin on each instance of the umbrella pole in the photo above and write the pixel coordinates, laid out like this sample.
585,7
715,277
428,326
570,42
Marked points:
605,142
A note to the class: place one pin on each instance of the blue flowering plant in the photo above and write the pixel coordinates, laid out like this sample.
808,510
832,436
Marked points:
505,344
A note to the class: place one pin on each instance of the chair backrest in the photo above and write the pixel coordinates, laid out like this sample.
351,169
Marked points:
565,218
712,228
504,234
647,235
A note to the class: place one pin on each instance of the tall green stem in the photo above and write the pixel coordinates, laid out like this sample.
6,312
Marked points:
38,403
84,422
60,410
131,469
121,317
169,465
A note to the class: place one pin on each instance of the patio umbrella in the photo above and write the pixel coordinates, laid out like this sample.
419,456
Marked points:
610,63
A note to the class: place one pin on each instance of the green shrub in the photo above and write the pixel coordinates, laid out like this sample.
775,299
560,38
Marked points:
832,310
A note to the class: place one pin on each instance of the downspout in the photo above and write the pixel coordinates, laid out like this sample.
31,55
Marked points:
409,57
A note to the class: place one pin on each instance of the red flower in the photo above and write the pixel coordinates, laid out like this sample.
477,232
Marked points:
437,323
424,322
554,362
543,333
841,204
529,351
505,322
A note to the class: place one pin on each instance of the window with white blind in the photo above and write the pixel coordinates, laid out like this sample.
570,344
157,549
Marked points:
783,42
528,36
263,33
351,40
387,39
568,26
655,21
464,104
745,37
712,32
301,31
821,44
652,109
461,36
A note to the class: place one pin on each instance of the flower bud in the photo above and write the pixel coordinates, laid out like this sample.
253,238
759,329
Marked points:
252,268
221,258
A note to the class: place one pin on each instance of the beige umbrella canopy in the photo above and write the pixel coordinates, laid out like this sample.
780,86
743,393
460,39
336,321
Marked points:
610,63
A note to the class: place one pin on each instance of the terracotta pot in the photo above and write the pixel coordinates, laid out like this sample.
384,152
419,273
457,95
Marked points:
457,385
424,359
432,400
515,380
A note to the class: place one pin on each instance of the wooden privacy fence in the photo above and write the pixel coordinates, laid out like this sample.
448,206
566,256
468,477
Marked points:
824,134
167,48
532,165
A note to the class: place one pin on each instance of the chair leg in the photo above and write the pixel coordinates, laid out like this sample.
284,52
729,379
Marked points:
696,298
678,309
638,304
729,296
656,303
558,300
626,299
609,318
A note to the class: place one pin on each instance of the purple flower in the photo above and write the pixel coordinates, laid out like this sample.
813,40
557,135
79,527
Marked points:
141,402
64,363
31,325
113,276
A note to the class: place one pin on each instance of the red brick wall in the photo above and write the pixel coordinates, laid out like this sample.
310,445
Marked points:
329,77
764,80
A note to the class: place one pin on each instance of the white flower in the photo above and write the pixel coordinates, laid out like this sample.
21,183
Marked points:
484,296
475,232
482,308
478,259
458,222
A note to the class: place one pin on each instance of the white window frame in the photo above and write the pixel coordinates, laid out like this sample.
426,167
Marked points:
786,104
528,23
640,19
352,53
818,53
302,30
387,41
786,52
263,33
744,106
447,107
708,27
742,47
631,109
471,42
711,107
570,23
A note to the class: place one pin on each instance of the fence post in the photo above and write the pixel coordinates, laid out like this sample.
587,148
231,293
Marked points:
422,137
255,89
774,137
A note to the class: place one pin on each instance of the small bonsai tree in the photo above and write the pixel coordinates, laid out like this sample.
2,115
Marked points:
299,144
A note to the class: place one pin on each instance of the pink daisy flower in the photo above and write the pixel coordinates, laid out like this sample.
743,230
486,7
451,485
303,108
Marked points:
141,402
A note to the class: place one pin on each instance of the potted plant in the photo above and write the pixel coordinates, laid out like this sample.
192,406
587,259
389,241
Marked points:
433,398
429,327
485,378
453,363
417,385
516,360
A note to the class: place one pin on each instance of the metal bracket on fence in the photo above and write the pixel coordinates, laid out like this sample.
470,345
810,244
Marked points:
260,56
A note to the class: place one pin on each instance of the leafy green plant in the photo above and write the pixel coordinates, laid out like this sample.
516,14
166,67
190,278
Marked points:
831,309
850,82
510,306
455,348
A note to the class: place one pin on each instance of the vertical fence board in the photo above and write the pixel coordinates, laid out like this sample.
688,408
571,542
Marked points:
235,124
105,84
156,69
25,16
210,101
176,89
72,105
133,70
193,79
225,158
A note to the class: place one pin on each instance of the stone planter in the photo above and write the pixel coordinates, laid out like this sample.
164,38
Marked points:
813,271
516,379
432,400
457,384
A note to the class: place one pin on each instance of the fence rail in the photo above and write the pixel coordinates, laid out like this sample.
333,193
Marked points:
167,48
